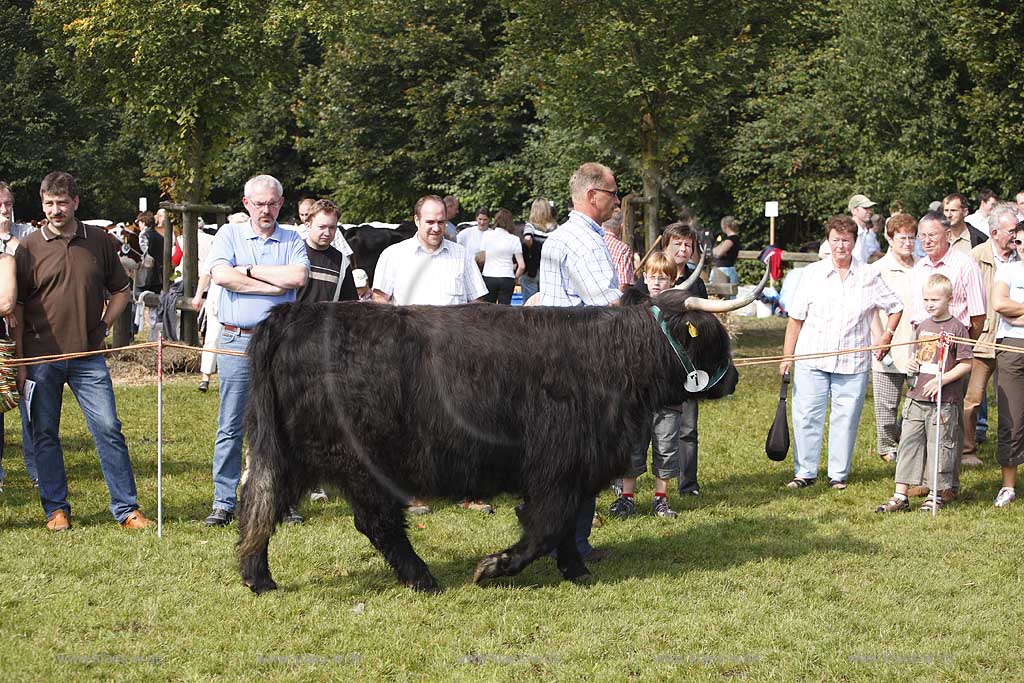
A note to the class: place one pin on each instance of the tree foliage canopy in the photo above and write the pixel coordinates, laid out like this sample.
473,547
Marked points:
719,105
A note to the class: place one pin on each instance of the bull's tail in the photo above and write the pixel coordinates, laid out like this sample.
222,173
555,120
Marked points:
262,501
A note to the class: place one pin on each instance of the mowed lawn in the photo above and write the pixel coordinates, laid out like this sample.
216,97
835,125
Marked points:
751,582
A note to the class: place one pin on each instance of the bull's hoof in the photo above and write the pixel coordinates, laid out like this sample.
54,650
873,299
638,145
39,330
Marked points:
425,585
259,587
490,567
584,579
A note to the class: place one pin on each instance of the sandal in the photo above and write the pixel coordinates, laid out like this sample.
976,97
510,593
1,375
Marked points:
837,484
894,504
800,482
932,503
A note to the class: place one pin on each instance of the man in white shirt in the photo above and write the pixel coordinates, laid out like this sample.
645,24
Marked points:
987,201
427,269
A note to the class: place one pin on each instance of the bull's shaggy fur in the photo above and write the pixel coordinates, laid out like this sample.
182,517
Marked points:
386,403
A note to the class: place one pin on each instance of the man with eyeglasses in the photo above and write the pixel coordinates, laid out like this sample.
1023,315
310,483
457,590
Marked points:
576,270
258,264
989,255
968,304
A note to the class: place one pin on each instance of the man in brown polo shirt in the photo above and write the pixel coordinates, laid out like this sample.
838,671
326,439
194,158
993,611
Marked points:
65,270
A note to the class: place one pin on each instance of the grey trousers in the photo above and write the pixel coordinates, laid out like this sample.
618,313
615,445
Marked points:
915,462
661,433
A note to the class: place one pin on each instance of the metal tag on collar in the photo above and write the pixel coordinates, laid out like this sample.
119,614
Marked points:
696,380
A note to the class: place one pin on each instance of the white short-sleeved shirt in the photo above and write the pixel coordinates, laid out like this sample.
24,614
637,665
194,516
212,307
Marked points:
411,275
837,314
471,240
1011,274
501,248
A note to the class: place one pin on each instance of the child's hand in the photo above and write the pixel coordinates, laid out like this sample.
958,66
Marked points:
931,388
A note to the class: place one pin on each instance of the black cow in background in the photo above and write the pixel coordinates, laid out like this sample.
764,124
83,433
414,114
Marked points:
364,397
368,242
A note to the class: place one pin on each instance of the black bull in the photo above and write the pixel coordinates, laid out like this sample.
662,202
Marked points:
386,403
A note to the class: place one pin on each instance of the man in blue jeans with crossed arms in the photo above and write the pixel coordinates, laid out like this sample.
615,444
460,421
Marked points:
258,264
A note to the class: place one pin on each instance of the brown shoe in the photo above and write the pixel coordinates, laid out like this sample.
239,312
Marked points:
135,521
917,491
971,461
58,521
478,506
948,495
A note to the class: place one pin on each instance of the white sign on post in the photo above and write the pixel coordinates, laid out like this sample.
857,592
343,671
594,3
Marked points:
143,204
771,209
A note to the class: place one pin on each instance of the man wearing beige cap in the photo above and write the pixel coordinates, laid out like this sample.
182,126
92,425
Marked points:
866,249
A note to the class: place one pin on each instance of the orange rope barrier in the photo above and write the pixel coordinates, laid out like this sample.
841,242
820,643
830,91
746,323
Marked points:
738,362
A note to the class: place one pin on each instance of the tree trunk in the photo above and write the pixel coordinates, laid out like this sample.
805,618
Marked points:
652,186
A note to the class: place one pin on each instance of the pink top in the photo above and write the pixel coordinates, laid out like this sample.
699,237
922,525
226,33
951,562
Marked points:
968,286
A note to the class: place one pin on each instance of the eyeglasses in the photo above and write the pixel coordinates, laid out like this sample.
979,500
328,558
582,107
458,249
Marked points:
601,189
1017,243
904,237
263,205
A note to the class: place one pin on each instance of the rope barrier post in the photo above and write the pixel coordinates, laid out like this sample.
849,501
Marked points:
159,434
940,352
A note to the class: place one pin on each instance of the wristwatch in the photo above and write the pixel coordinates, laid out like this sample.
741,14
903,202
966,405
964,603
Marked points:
106,328
248,271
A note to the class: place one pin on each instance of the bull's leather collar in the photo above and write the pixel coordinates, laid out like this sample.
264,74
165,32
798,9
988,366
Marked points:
696,380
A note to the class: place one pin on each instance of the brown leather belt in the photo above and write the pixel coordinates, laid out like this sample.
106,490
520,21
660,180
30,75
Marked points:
239,330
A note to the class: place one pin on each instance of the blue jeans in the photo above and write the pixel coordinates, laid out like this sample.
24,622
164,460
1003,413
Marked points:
813,391
234,395
529,286
89,380
26,448
584,524
731,274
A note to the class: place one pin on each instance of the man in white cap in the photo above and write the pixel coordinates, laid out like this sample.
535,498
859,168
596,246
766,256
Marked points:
866,249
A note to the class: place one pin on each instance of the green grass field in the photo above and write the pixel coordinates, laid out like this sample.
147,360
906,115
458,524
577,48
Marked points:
751,582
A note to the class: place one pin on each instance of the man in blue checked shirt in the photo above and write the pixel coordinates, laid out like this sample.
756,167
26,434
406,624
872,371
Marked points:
258,264
576,270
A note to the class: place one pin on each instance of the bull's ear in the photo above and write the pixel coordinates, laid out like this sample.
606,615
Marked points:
694,303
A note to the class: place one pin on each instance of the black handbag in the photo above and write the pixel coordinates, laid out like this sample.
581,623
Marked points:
776,446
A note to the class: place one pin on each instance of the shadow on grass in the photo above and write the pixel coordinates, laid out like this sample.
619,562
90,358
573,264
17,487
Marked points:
652,553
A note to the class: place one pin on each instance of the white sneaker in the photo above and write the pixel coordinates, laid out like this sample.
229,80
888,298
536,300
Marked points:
1005,496
318,495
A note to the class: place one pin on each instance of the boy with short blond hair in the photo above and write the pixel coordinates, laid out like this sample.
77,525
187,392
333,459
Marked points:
662,432
914,461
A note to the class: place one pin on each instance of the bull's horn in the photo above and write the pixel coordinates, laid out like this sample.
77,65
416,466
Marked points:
696,274
695,303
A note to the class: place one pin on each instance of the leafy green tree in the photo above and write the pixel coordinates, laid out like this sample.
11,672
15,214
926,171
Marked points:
986,35
410,99
183,72
644,77
49,125
868,106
